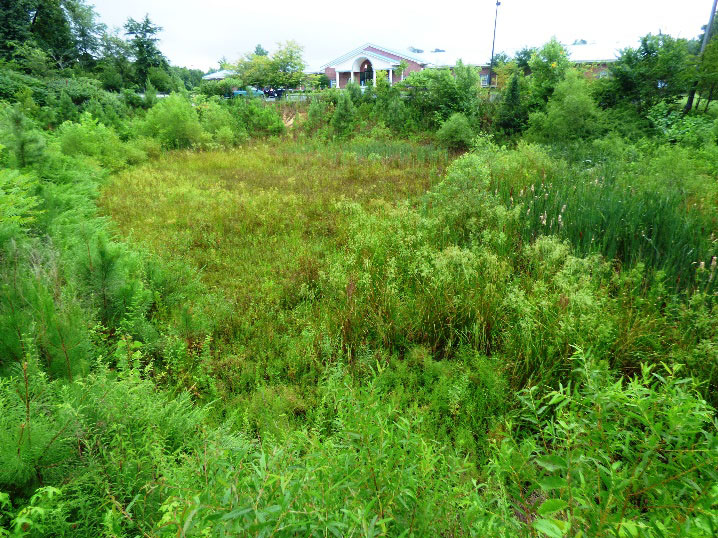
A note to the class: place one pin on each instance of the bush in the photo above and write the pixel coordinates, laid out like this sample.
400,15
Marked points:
571,113
318,115
19,134
344,117
173,121
92,139
256,118
693,130
606,457
456,132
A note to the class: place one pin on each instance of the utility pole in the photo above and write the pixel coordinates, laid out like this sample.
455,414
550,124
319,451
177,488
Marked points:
493,45
706,39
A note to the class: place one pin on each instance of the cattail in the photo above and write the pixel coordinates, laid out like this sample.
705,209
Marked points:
512,200
543,219
532,188
563,208
560,221
545,196
714,262
521,193
702,266
528,211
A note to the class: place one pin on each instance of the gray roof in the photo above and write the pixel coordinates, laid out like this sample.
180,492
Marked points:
219,75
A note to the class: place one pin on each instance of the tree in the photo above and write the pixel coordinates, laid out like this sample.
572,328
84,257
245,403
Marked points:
512,115
658,70
548,67
288,65
342,121
144,48
26,143
116,68
259,50
708,73
285,68
571,112
86,31
50,28
66,30
435,94
708,31
15,17
523,57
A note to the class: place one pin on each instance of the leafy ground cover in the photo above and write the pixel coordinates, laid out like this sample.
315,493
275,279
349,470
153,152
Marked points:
230,317
383,336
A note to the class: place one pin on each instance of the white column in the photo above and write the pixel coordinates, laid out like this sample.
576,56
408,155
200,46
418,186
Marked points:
352,75
391,79
374,76
337,74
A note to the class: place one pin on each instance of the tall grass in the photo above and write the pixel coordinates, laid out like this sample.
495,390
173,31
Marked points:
622,210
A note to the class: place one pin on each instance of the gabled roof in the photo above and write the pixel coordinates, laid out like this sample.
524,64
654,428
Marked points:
219,75
362,50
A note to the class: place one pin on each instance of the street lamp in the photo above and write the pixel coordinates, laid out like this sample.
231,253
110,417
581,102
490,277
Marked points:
493,44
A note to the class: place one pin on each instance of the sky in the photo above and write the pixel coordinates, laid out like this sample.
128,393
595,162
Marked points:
197,34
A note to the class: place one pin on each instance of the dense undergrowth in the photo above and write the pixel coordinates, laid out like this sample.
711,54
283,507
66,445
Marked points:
230,318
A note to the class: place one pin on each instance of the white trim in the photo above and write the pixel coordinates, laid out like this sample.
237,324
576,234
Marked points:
363,50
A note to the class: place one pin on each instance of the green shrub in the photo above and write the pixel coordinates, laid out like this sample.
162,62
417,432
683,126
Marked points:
18,133
571,113
318,115
256,118
693,130
633,458
214,116
174,122
512,114
355,93
92,139
344,117
456,132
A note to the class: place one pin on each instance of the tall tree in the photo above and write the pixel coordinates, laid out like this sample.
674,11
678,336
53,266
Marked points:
259,50
86,30
50,28
144,48
15,17
659,69
512,114
285,68
65,30
288,65
548,67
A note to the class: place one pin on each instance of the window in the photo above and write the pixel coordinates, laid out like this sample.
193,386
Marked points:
484,80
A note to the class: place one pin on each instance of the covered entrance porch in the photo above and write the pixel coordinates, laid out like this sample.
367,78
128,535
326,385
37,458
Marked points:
363,71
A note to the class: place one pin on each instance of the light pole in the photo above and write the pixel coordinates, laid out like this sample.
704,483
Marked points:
493,45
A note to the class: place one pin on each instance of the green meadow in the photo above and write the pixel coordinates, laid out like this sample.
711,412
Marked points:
423,309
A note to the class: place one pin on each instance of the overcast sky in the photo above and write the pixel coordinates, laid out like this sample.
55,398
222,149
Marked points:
196,34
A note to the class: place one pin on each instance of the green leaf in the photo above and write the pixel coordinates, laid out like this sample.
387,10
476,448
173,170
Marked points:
549,528
552,463
552,482
234,514
552,506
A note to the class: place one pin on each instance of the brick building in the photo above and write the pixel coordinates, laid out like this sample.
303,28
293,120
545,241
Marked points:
362,64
